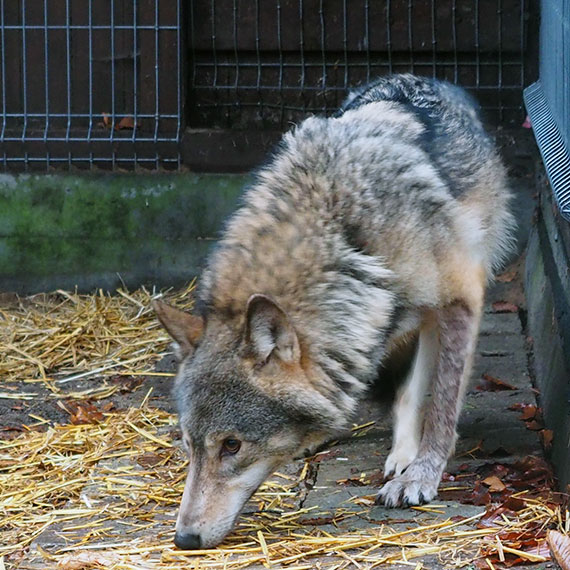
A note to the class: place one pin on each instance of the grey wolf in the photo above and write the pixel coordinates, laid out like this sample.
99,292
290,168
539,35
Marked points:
365,232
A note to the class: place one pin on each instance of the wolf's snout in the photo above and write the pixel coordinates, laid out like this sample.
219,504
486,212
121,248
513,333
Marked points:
187,541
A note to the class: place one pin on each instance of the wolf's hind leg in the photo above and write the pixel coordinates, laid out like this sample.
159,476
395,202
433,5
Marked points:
407,410
458,326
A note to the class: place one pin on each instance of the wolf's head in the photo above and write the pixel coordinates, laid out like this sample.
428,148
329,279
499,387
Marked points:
249,399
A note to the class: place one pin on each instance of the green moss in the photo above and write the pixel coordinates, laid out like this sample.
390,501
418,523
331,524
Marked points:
133,224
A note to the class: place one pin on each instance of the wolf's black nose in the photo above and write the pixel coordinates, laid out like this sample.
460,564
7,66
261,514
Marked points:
187,541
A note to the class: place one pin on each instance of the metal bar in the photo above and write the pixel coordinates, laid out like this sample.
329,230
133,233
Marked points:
454,40
24,73
68,73
135,75
178,79
113,76
3,56
156,77
500,55
345,41
63,27
411,34
280,49
323,54
477,46
389,36
433,40
236,55
367,25
258,58
46,80
90,39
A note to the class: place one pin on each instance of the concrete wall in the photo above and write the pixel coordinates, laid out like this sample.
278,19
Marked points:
548,299
63,231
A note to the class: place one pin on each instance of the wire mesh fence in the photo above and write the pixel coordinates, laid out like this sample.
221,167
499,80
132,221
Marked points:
88,83
270,62
129,83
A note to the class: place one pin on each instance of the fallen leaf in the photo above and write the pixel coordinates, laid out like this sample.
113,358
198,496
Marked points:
107,121
547,435
514,504
560,547
127,122
86,560
504,307
82,412
492,384
507,276
534,425
127,383
494,483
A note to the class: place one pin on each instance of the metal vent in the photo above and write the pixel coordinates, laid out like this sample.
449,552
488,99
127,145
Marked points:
551,144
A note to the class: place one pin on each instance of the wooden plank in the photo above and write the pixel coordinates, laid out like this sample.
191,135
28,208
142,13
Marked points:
147,75
12,57
102,60
80,85
226,150
168,79
57,62
34,73
243,36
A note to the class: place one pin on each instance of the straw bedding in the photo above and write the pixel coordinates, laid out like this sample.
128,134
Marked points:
102,491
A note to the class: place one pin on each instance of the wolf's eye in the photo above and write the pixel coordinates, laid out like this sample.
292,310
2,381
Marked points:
230,446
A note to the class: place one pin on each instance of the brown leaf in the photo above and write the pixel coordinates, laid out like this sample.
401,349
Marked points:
547,435
107,121
127,383
494,483
82,413
504,307
528,412
534,425
127,122
149,459
507,276
492,384
85,560
560,547
514,504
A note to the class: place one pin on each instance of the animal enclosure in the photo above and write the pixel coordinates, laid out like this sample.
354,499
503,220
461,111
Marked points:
210,84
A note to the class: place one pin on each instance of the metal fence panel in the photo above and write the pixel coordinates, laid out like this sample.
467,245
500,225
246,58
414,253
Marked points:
90,83
268,63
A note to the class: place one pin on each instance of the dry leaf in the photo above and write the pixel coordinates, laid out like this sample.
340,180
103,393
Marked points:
494,483
492,384
86,560
127,122
560,547
507,276
547,435
504,307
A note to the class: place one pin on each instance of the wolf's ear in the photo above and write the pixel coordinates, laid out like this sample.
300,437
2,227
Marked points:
270,331
185,329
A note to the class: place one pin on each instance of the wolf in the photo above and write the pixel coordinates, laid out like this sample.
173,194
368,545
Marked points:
365,234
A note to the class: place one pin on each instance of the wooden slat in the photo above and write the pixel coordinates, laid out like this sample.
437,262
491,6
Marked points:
332,13
12,56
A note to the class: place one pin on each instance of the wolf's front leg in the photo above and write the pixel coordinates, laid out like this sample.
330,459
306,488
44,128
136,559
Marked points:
409,401
458,327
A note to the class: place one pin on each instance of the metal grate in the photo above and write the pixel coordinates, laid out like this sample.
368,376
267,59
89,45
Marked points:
93,83
268,63
90,83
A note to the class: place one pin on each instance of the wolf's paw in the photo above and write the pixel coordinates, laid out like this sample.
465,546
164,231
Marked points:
400,457
416,486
